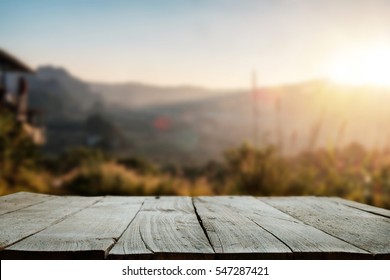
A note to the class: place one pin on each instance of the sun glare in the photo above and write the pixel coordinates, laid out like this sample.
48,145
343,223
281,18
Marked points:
369,66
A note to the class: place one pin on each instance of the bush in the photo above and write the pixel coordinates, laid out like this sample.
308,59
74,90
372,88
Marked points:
76,157
18,158
140,165
110,178
253,171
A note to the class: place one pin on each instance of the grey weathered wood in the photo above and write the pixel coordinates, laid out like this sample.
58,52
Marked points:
165,227
364,207
27,221
89,233
362,229
232,232
13,202
53,227
305,241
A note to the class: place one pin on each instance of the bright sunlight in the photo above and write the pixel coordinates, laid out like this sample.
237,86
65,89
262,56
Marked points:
365,66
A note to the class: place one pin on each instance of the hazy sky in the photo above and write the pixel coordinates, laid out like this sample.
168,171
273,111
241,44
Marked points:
213,43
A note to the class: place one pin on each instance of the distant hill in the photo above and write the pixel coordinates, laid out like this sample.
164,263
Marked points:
138,96
60,95
73,114
293,117
193,125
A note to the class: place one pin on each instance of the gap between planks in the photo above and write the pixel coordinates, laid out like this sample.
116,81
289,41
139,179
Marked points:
17,201
357,227
208,223
166,228
89,233
303,240
25,222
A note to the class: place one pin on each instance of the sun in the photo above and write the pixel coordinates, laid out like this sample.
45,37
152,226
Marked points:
364,66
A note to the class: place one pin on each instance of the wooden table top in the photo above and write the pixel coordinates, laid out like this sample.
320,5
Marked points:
37,226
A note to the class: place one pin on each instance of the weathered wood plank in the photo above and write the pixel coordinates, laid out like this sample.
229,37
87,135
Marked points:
16,201
364,230
233,234
27,221
165,227
305,241
52,227
364,207
89,233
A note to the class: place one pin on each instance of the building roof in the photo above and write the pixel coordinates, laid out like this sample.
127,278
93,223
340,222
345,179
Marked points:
10,63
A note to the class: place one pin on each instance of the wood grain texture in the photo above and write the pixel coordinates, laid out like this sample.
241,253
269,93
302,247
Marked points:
362,229
305,241
165,227
14,202
27,221
364,207
89,233
231,232
52,227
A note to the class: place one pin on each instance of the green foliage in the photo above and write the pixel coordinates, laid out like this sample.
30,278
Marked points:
352,172
79,156
140,165
18,158
110,178
17,149
254,171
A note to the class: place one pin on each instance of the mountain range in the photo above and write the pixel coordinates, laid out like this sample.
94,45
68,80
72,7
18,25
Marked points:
191,125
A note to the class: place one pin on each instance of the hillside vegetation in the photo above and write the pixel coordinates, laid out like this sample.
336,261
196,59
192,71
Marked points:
188,124
313,139
351,172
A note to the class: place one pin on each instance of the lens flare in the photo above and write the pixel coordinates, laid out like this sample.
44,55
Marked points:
367,66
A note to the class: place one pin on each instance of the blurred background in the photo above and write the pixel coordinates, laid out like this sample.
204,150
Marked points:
196,98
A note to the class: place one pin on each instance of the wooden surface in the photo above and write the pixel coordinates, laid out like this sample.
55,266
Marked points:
35,226
167,226
368,231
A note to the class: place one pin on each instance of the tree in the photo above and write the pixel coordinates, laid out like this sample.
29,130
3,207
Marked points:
18,153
